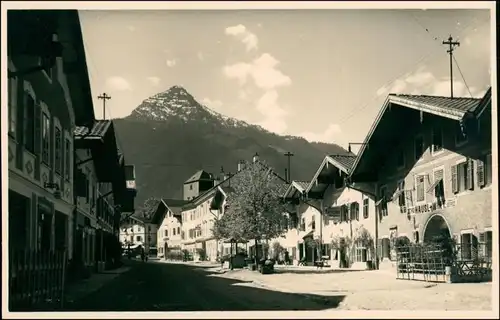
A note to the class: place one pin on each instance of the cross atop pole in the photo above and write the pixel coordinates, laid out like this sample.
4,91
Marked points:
451,45
104,97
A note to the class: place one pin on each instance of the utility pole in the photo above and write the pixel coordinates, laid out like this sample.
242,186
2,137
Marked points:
451,44
288,154
104,97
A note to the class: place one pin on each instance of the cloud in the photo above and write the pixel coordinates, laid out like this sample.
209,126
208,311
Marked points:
200,56
424,82
467,41
246,37
118,83
332,134
171,63
273,113
212,104
155,81
262,70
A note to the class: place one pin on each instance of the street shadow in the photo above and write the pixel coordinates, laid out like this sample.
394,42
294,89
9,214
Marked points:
254,298
156,287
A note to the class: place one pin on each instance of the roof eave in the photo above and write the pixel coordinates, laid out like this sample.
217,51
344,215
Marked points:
451,114
316,175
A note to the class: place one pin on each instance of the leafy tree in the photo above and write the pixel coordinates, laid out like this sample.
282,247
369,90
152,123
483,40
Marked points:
255,208
147,209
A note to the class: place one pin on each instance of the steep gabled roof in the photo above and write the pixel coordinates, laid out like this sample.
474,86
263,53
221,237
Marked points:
174,205
198,176
456,108
342,162
438,105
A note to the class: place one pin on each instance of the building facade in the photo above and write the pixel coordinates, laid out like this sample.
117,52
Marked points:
48,96
168,219
439,180
138,232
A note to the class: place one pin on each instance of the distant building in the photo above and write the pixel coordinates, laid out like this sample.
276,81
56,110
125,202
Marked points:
198,183
137,231
168,219
428,159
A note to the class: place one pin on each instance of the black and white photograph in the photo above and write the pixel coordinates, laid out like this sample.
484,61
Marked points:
223,159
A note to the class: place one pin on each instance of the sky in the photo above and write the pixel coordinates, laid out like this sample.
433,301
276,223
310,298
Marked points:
319,74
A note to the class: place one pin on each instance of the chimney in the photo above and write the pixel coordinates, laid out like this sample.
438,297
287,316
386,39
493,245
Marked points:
255,157
241,165
286,175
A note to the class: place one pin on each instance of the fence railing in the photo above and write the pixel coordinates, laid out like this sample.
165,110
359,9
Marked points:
36,279
430,262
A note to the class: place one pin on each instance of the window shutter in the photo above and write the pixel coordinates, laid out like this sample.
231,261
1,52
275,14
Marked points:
37,129
454,178
470,174
480,173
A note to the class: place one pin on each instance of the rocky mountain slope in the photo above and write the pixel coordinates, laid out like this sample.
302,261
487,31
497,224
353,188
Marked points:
170,135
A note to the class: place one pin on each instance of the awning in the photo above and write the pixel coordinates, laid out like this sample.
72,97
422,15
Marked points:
309,234
434,185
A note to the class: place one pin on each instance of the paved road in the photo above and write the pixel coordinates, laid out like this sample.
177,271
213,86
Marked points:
155,286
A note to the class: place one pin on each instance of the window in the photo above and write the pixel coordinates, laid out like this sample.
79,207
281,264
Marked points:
486,240
138,238
439,186
382,202
58,151
178,230
191,187
401,193
45,138
462,176
166,233
401,161
149,228
354,211
420,188
29,124
344,213
67,159
47,63
484,171
460,137
419,147
138,229
313,223
12,101
131,238
365,208
437,140
173,232
303,224
468,246
360,255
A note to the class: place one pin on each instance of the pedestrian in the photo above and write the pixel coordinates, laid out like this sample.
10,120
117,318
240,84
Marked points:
287,257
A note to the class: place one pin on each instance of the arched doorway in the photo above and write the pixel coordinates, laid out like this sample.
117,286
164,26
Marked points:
436,229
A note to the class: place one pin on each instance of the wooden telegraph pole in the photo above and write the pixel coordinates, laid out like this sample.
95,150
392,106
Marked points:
104,97
451,45
289,155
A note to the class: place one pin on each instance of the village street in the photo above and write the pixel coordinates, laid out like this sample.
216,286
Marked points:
159,286
156,286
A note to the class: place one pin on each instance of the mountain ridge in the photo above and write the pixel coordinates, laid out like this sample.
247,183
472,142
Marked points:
170,135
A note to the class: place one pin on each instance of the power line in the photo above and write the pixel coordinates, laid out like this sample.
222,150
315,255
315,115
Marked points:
462,75
421,60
